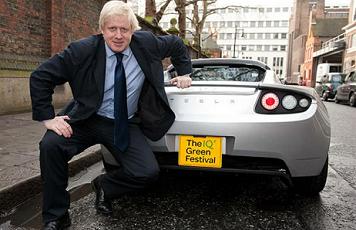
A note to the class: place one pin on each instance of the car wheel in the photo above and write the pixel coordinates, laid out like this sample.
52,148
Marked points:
337,101
311,186
352,100
325,96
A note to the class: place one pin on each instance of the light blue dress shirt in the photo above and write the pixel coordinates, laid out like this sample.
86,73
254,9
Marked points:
134,82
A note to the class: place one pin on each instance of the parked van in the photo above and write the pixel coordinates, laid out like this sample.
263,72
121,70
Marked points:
324,68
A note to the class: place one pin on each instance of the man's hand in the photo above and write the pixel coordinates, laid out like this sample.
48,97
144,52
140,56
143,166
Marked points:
181,81
59,125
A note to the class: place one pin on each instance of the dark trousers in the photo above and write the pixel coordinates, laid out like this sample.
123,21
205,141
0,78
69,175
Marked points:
138,164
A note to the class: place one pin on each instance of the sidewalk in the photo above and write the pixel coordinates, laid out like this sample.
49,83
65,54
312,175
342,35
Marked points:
19,157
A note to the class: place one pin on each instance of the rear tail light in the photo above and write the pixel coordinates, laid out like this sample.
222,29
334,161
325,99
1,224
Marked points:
282,102
289,102
270,101
303,103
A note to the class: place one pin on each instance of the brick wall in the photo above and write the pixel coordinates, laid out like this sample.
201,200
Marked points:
33,30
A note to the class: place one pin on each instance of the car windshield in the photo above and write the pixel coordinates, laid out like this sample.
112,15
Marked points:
227,73
337,78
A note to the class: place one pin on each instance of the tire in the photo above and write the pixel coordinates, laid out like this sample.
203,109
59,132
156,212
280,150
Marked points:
352,100
311,186
337,101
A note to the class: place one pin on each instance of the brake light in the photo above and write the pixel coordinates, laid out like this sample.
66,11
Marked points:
270,101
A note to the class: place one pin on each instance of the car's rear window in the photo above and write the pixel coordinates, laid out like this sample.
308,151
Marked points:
338,78
227,73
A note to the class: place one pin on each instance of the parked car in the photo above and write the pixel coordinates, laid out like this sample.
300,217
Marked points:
328,84
347,91
238,117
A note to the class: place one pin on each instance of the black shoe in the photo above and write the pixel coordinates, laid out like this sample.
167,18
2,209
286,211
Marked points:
102,204
61,223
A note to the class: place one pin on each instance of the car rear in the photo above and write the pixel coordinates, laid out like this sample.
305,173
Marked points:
257,124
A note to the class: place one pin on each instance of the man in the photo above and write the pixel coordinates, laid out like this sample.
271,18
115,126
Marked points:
96,67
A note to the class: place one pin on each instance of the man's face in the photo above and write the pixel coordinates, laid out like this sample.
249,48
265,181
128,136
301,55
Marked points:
117,33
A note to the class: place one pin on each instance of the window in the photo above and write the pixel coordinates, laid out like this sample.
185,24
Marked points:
283,35
274,61
267,47
229,36
245,10
222,11
277,9
251,48
353,41
276,23
285,9
231,11
269,10
259,47
222,24
260,24
275,36
268,36
229,24
252,36
261,10
237,24
260,36
244,24
262,59
228,47
274,48
222,36
227,73
283,48
215,24
243,48
284,23
268,23
253,24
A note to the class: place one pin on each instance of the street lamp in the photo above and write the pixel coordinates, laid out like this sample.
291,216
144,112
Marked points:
242,35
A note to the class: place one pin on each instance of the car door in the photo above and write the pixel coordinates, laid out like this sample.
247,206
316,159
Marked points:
353,83
344,89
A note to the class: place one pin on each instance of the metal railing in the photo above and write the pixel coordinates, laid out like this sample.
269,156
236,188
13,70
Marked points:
333,41
333,44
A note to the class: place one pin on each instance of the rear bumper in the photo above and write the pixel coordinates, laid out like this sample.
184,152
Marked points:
288,146
299,146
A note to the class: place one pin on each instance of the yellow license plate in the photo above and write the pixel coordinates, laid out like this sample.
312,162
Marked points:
200,151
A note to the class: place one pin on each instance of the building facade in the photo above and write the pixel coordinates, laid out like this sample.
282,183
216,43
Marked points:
299,31
254,30
321,30
350,34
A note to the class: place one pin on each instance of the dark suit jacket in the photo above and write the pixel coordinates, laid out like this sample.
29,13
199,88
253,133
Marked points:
82,65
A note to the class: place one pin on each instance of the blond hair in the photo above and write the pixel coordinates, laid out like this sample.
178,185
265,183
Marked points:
118,8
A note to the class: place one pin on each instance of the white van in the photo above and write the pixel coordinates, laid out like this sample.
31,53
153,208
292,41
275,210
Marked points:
325,68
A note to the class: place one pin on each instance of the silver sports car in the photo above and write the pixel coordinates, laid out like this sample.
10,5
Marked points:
238,117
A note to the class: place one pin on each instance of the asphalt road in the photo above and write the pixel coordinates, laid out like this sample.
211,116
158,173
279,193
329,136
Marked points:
210,201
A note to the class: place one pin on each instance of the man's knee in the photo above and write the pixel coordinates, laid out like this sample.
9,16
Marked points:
50,146
148,174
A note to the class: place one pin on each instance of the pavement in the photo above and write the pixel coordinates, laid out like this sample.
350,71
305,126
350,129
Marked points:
19,159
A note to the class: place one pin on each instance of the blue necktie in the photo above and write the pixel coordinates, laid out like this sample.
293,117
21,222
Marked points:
121,138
